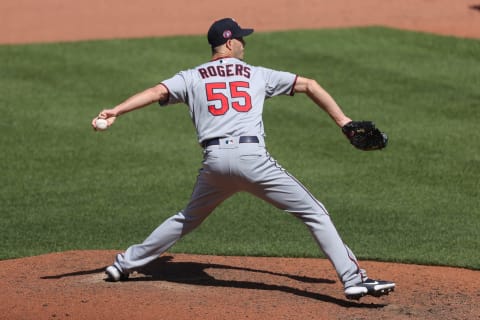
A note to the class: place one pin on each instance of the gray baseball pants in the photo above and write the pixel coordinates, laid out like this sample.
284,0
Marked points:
232,167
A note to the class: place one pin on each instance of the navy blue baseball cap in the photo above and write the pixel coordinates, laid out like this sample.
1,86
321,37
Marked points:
223,30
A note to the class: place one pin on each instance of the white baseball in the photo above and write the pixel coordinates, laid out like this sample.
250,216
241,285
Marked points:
101,124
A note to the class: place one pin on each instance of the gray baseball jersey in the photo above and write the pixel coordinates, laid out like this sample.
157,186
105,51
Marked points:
234,92
225,98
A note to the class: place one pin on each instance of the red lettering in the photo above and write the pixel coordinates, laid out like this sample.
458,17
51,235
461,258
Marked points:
203,73
211,71
238,70
246,72
221,71
218,94
229,69
245,101
213,94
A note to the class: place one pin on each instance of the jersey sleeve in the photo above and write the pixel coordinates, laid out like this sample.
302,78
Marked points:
177,89
279,82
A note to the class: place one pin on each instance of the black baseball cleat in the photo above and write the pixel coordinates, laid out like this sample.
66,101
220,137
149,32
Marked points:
114,274
376,288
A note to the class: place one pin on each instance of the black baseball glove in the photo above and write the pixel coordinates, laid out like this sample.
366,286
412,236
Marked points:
364,136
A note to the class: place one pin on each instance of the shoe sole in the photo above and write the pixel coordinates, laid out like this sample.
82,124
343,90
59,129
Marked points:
375,293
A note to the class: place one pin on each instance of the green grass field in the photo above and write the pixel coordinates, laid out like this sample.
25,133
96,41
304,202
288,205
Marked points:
65,187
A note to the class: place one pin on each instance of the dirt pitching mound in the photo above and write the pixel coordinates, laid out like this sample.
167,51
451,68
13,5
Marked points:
71,285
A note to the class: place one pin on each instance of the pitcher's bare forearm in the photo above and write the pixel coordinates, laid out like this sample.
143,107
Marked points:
140,100
137,101
322,98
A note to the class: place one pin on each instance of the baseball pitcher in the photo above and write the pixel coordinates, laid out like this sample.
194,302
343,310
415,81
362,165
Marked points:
225,97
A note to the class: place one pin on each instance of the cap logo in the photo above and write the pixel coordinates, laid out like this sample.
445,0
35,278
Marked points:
227,34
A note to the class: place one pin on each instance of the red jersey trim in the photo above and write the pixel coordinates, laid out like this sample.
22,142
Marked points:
292,92
165,102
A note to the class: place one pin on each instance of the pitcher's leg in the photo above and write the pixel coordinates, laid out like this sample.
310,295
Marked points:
327,237
205,198
318,221
159,241
279,188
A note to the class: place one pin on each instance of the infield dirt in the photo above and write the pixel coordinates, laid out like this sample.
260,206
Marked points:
71,285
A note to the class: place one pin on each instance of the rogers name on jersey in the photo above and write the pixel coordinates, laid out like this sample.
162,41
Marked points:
227,70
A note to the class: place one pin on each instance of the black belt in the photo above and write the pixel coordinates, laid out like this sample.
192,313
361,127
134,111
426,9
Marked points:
242,139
